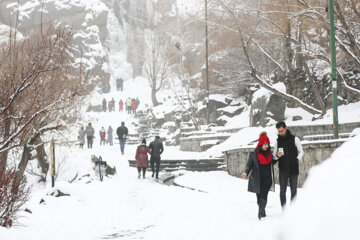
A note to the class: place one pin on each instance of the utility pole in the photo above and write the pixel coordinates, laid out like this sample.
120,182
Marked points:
333,71
207,67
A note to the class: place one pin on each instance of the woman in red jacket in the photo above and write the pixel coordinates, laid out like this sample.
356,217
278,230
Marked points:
133,106
141,157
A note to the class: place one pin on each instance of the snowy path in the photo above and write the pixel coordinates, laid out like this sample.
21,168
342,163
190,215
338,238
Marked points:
125,207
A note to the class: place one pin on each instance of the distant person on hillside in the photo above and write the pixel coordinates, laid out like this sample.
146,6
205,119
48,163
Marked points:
128,105
112,105
81,137
141,158
288,151
109,106
104,105
121,105
133,106
102,136
137,102
262,172
90,131
110,135
119,84
156,148
122,133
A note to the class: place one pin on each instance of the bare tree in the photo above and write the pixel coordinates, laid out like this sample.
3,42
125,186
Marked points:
39,82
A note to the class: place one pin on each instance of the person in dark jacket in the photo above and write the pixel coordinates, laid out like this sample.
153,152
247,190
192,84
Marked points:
104,105
157,149
90,131
141,157
288,151
260,164
122,133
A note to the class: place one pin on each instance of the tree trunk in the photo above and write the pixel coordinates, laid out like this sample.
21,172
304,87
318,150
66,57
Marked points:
42,158
314,88
4,155
153,93
21,168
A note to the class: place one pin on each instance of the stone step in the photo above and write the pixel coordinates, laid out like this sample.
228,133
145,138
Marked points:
217,164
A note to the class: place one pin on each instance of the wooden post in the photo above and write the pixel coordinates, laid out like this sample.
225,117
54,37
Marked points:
52,162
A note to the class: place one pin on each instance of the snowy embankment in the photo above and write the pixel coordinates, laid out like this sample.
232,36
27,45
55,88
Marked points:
328,207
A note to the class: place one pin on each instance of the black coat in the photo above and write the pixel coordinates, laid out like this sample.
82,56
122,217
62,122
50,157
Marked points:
156,148
122,132
289,161
253,166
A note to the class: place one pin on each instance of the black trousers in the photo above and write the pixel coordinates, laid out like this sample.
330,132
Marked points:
265,185
143,170
284,177
153,160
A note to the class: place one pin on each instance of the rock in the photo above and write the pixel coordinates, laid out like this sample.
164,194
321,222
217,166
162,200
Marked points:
228,100
42,201
28,210
110,171
61,194
297,118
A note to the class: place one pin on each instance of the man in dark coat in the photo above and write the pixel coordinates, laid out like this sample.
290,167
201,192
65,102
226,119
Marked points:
90,131
288,151
156,148
122,133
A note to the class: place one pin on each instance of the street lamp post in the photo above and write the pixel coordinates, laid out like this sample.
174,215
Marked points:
333,71
207,66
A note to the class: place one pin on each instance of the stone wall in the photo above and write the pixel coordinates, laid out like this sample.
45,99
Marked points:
301,131
193,144
314,153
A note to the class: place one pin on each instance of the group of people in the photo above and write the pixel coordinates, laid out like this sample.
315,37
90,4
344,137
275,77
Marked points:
155,149
131,105
287,152
110,106
103,135
89,133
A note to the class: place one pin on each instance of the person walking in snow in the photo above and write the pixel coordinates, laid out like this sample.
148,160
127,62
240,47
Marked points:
133,106
260,164
110,135
121,84
104,105
128,105
90,131
141,158
102,136
81,137
137,102
121,105
109,106
112,105
156,148
122,133
288,152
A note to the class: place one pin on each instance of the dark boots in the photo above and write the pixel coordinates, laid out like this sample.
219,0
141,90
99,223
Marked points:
262,205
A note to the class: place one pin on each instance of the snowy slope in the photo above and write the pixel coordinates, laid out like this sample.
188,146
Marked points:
328,207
